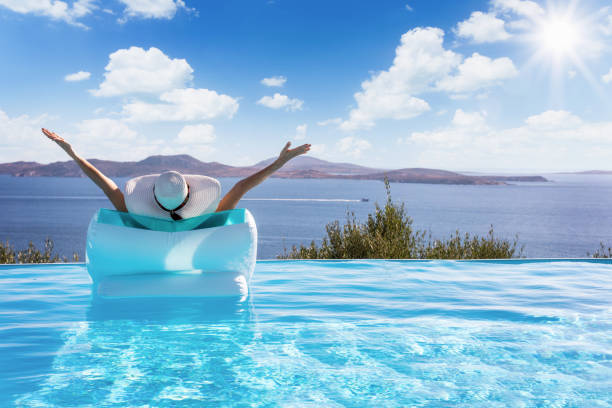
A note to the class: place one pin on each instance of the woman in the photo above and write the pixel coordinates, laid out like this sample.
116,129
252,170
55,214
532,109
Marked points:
171,194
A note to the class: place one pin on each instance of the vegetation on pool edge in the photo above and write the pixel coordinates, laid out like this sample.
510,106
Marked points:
387,234
32,254
601,252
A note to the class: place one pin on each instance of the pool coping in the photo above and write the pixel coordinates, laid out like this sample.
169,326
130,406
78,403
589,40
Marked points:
498,261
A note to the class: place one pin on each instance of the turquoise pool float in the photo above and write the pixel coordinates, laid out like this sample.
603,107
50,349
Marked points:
210,255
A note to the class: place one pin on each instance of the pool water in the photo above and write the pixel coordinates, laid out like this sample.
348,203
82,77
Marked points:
317,333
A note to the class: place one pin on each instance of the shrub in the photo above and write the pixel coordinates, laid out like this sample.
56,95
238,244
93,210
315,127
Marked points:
601,252
388,233
32,254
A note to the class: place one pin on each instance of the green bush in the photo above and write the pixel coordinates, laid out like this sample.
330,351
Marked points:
601,252
388,233
32,254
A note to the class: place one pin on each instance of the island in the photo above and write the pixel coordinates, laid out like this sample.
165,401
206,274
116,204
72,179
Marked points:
303,167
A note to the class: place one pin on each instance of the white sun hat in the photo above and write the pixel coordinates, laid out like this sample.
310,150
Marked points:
171,193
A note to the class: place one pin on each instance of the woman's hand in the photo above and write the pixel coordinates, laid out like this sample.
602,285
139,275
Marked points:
107,185
59,140
232,198
287,154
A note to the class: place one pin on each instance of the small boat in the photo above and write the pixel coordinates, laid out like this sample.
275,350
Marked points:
133,255
365,200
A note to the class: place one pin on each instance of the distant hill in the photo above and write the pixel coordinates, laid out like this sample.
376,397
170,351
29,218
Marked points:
300,167
420,175
153,164
310,163
433,176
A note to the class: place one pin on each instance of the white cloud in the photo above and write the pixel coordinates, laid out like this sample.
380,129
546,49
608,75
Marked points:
419,60
55,9
522,24
606,26
183,105
318,149
468,119
77,76
152,8
553,120
352,146
274,81
422,65
464,126
113,139
478,72
524,8
70,13
607,78
300,132
196,134
571,74
469,129
103,138
136,70
391,106
279,101
408,7
332,121
520,15
21,139
482,28
82,8
18,136
106,130
551,139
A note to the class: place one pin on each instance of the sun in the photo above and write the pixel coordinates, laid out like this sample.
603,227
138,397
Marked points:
559,36
564,39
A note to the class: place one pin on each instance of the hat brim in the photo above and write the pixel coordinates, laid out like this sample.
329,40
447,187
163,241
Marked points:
204,196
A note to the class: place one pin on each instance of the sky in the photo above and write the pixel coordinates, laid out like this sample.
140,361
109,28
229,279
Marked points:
495,85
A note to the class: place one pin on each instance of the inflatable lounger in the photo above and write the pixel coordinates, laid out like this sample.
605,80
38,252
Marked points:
210,255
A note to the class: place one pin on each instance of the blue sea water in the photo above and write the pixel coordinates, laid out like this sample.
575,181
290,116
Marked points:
566,217
317,333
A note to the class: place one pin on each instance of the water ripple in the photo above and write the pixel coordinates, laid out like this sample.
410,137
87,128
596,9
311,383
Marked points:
346,334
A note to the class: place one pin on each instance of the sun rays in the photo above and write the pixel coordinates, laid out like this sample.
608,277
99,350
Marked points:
563,40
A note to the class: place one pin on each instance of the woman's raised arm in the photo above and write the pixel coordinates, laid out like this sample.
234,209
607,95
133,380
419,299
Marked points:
232,198
107,185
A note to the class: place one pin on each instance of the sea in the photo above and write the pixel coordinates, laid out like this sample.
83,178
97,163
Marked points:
567,217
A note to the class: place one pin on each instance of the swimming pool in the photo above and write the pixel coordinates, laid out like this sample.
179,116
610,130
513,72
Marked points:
515,333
